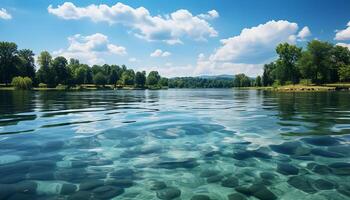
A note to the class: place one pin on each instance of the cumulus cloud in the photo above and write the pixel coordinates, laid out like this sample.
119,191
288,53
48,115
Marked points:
304,33
90,49
160,53
343,34
210,15
133,59
4,14
170,28
248,51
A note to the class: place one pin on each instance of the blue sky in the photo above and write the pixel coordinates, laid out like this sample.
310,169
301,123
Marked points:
177,38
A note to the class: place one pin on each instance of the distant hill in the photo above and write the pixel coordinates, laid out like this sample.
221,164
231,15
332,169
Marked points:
222,76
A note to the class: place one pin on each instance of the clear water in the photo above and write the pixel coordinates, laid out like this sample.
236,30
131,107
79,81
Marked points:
174,144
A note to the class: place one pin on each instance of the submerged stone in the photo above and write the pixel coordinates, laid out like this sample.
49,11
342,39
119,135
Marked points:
290,148
6,190
122,183
257,190
344,189
302,183
340,168
168,193
236,196
189,163
324,153
208,173
12,178
52,146
27,187
322,141
268,175
88,185
80,195
107,192
287,169
230,182
123,173
7,159
214,179
157,185
42,176
319,169
200,197
324,185
68,189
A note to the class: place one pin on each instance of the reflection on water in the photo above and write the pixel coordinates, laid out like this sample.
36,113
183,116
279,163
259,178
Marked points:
174,144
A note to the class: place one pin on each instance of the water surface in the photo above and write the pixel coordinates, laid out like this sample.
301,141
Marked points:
174,144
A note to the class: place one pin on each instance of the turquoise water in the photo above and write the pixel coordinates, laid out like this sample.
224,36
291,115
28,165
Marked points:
174,144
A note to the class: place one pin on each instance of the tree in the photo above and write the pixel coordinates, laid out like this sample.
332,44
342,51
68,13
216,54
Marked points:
258,81
140,79
23,83
59,66
241,80
45,75
153,78
340,60
128,77
163,82
8,61
26,68
113,77
269,74
344,73
100,79
286,63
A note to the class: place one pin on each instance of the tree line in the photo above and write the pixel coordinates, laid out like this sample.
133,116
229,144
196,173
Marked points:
16,63
320,63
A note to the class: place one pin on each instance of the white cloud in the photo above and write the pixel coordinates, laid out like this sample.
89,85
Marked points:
248,51
170,28
343,34
160,53
210,15
344,45
304,33
133,59
90,49
4,14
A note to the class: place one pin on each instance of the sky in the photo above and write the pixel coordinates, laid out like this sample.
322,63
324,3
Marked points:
176,38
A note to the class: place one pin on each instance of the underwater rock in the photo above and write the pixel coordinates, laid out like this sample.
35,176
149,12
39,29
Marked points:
242,155
319,169
41,176
52,146
287,169
14,168
324,185
12,178
257,190
21,196
230,182
268,175
168,193
236,196
215,179
80,195
100,162
27,187
290,148
107,192
344,189
123,173
6,190
324,153
91,184
200,197
71,175
340,168
68,189
208,172
302,183
157,185
7,159
122,183
322,141
341,149
188,164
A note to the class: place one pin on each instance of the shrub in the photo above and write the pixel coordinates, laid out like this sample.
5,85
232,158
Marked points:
289,83
61,87
305,81
42,85
276,83
100,79
22,83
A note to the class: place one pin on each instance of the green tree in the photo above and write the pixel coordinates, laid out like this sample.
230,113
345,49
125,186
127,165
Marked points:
153,78
269,74
113,77
45,74
140,79
241,80
286,63
258,81
8,61
26,67
344,73
23,83
340,59
59,66
128,77
163,82
100,79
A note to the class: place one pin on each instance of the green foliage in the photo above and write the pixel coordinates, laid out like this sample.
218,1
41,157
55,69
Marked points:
23,83
269,74
276,83
8,61
197,82
42,85
100,79
128,77
241,80
153,78
286,69
305,82
344,73
140,79
163,82
258,81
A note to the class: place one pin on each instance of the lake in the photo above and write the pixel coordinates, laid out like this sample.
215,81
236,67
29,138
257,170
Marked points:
174,144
